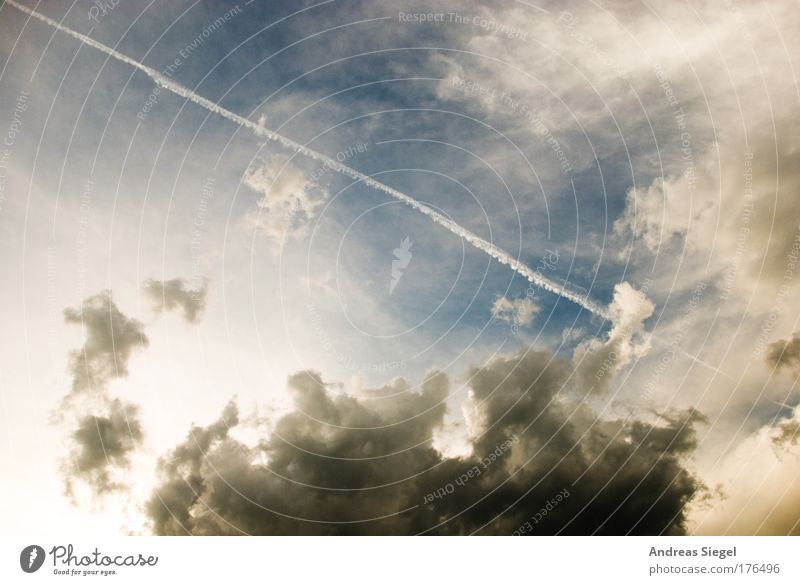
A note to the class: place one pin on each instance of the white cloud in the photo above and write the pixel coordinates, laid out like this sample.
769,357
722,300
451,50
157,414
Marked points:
289,199
517,312
598,361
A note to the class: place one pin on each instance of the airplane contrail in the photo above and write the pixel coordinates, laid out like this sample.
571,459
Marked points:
487,247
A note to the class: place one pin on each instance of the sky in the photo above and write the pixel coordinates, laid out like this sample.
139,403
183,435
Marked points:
349,267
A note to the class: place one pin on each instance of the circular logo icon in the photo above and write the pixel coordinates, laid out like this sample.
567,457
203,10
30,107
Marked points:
31,558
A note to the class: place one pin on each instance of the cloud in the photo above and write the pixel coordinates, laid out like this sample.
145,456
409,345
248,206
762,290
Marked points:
657,214
787,433
101,445
625,476
598,361
734,210
111,339
706,174
517,312
182,472
785,354
340,464
177,293
757,475
759,485
322,459
289,199
102,441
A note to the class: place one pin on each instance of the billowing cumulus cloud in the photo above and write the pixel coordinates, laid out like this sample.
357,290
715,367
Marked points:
106,430
111,339
101,445
674,164
785,354
182,474
177,293
338,464
597,361
333,460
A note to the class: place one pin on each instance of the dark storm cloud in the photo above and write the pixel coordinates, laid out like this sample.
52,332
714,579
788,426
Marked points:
182,472
111,338
177,293
344,465
785,353
101,445
327,461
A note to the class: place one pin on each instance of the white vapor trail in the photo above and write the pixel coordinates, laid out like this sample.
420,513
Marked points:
489,248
